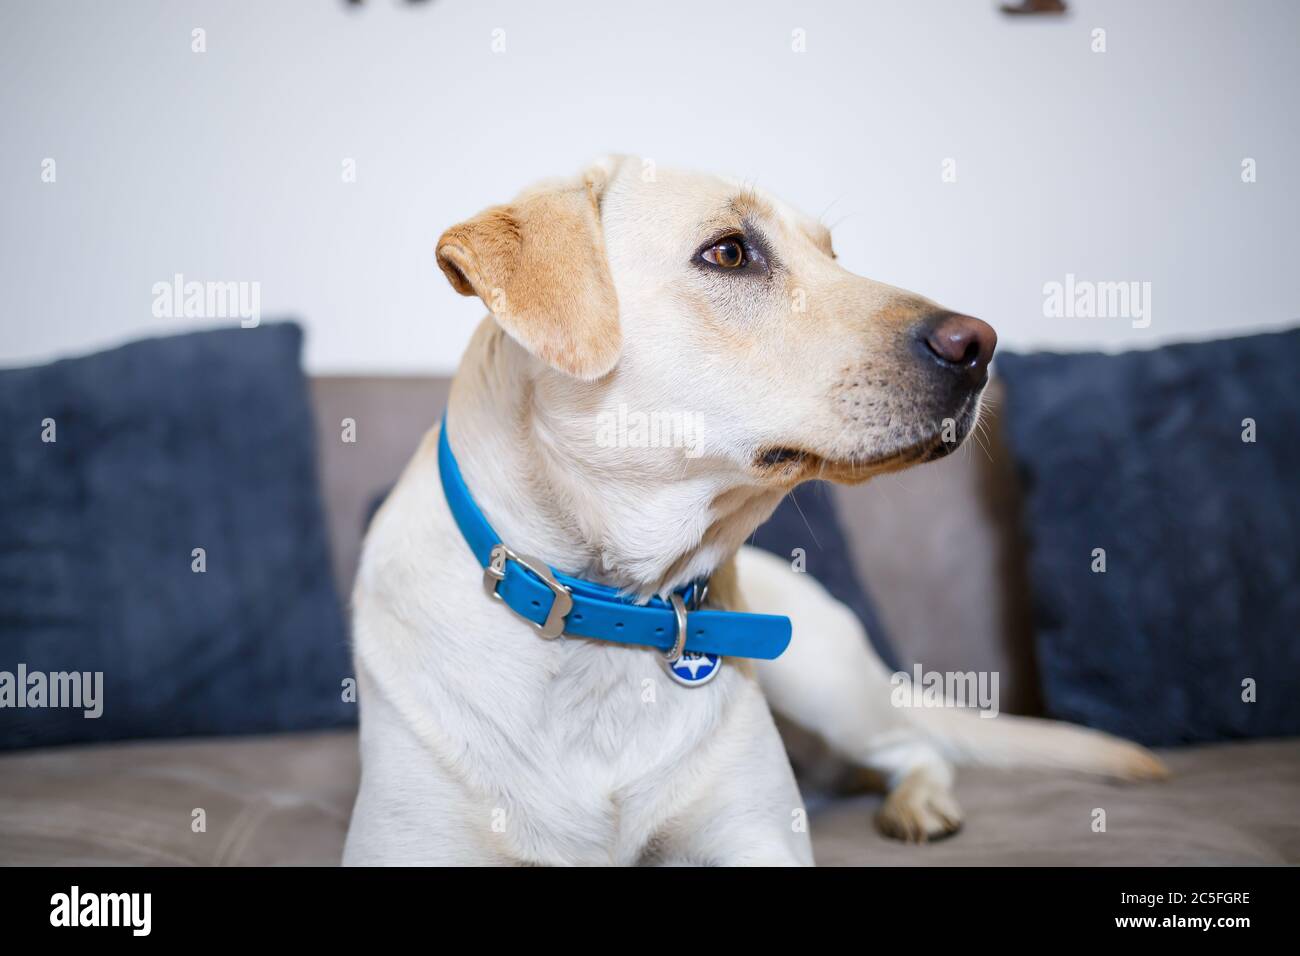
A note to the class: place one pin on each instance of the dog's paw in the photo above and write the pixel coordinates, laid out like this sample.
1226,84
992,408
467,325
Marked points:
1138,763
918,810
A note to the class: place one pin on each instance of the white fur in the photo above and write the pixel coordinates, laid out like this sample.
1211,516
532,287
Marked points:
578,752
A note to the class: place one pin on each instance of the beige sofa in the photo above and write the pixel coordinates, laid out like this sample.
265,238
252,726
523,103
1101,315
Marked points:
942,550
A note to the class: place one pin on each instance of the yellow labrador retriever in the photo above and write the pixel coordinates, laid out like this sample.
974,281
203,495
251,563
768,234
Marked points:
594,703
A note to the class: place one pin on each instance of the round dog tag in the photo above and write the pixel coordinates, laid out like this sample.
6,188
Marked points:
694,669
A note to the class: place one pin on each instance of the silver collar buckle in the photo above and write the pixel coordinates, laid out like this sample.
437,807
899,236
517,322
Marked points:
495,573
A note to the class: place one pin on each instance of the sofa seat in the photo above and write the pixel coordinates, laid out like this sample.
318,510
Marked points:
285,799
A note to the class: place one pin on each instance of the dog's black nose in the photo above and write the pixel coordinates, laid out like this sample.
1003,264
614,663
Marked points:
960,342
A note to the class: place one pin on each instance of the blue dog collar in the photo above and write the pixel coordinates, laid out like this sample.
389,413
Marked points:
557,604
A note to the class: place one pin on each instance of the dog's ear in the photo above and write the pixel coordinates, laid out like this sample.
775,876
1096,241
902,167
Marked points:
539,266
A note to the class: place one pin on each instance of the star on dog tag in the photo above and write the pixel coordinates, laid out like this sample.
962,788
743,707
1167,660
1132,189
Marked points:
694,669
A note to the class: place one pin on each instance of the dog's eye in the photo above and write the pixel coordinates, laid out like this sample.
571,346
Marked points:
728,253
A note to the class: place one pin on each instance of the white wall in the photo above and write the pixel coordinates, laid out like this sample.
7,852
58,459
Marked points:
226,165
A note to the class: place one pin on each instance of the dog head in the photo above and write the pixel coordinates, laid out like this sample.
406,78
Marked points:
715,322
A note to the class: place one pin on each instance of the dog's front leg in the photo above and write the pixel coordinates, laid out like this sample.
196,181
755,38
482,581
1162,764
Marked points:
746,810
408,811
831,683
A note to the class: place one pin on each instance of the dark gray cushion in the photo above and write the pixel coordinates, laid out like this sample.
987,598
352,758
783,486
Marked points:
163,446
1141,454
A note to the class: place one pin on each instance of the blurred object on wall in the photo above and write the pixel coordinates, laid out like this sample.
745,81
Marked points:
1035,6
